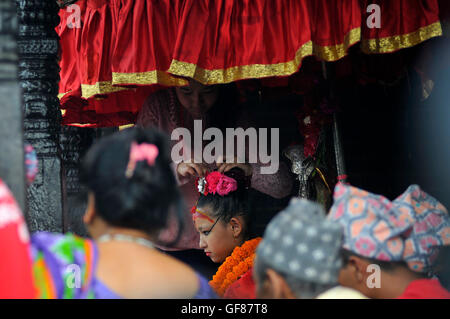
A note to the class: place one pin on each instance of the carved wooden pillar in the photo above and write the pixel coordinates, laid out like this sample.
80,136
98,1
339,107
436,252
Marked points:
74,143
12,170
54,201
39,76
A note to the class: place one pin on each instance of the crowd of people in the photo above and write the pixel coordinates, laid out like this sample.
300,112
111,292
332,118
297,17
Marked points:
365,247
145,243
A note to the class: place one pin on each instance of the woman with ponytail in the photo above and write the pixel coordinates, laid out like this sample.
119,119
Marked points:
132,193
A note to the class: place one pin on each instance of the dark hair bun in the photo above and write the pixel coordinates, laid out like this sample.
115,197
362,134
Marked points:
141,201
234,204
238,174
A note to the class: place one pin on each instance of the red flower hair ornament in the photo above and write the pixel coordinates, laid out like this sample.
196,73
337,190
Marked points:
216,182
213,183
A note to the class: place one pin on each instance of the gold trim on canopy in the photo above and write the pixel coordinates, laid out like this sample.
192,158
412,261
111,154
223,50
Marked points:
146,78
327,53
331,53
240,72
123,127
90,90
61,95
394,43
141,78
217,76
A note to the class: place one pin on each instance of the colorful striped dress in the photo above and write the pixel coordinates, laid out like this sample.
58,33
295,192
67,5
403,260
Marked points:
64,268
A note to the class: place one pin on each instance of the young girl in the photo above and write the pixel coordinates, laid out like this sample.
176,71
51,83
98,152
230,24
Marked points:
222,219
217,107
401,238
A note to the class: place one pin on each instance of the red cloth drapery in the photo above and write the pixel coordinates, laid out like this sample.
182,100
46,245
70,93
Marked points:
125,49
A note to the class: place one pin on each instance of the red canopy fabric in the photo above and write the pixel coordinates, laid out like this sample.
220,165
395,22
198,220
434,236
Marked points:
126,49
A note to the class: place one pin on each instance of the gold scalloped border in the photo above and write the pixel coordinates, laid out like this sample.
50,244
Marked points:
61,95
140,78
104,87
185,69
146,78
332,53
217,76
394,43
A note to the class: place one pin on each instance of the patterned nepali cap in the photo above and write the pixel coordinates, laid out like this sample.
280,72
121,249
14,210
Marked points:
431,228
377,228
372,227
300,242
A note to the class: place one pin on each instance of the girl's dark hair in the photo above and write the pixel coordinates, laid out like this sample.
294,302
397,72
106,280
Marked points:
142,201
234,204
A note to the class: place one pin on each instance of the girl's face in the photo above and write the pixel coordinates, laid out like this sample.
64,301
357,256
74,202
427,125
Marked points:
197,98
217,238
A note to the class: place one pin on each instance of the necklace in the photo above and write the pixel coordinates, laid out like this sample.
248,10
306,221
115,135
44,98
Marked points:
126,238
237,264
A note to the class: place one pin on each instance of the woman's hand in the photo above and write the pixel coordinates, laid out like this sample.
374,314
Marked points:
191,169
225,167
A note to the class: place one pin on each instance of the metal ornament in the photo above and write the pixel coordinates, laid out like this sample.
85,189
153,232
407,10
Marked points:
302,167
201,185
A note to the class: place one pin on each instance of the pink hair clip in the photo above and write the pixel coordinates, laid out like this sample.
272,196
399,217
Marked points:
141,152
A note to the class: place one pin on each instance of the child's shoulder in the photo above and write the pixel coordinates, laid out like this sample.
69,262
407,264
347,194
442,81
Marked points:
243,288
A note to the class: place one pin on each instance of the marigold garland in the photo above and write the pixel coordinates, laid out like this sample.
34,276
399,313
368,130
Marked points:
236,265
